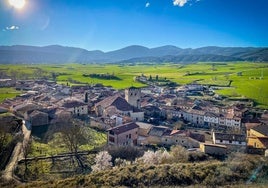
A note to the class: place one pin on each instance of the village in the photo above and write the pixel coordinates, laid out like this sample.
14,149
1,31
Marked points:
145,116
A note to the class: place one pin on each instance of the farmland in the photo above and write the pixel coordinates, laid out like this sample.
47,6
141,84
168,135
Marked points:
236,79
8,93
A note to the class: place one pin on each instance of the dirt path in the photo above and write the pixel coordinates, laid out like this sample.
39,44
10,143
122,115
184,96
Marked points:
17,153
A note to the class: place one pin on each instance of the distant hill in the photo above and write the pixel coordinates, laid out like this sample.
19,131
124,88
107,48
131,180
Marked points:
130,54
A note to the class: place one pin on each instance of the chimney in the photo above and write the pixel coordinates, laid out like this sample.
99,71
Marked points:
86,97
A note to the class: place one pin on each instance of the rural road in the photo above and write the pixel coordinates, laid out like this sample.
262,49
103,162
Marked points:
17,153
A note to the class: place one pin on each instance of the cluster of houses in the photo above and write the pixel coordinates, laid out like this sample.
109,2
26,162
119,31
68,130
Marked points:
144,116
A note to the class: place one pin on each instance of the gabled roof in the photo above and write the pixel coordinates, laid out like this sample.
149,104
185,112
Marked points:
196,107
123,128
151,108
177,132
72,104
116,101
144,125
263,129
231,137
37,113
25,107
211,114
159,131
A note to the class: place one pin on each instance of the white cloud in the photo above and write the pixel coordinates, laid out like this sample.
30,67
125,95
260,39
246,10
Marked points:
13,27
179,3
147,4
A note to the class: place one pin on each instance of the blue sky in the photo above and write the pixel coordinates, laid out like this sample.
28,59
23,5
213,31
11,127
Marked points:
112,24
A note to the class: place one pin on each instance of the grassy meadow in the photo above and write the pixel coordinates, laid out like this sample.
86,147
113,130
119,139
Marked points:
56,146
242,77
6,93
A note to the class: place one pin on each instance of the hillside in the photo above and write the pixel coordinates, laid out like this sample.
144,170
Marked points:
59,54
236,172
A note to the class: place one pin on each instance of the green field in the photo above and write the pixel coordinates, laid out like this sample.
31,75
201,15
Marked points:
6,93
56,146
246,85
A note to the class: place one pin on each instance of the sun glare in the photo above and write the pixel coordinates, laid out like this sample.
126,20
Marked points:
18,4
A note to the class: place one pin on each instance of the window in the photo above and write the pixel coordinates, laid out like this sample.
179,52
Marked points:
220,140
111,139
230,141
126,136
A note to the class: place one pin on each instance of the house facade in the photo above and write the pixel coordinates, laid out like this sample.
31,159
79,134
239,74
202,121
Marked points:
123,135
213,149
194,116
76,107
178,137
229,139
116,105
38,118
257,137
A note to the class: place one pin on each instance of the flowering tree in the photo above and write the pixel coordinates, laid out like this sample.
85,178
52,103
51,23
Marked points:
103,161
157,157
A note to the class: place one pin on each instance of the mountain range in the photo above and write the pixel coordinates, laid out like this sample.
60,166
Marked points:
131,54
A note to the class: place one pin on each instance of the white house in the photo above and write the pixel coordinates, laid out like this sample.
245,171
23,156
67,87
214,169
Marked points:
211,119
229,139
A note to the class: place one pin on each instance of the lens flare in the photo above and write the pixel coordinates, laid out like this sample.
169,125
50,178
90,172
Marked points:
18,4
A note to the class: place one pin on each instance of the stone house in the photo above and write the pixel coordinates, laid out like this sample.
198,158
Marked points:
179,137
37,118
151,111
143,132
213,149
22,109
170,112
156,134
117,105
76,107
257,137
122,135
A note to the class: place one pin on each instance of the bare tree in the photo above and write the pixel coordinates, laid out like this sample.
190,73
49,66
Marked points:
73,135
26,149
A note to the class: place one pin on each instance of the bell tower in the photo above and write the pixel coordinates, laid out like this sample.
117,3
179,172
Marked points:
133,96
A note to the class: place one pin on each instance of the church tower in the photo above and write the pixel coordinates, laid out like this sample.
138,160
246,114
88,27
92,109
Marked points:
133,96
